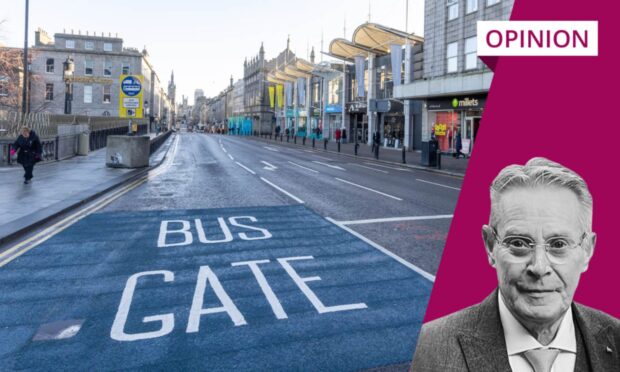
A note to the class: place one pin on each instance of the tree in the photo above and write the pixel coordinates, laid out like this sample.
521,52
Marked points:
10,78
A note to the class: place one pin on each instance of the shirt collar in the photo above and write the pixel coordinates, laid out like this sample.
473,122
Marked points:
518,339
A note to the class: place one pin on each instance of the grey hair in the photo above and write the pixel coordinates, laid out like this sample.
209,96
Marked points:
542,172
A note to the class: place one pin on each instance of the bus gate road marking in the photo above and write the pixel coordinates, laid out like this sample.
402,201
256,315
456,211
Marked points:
231,288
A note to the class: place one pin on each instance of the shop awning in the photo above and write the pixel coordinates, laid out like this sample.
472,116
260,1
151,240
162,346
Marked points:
344,49
378,38
370,38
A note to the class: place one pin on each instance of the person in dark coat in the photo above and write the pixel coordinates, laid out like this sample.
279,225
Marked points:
458,145
28,148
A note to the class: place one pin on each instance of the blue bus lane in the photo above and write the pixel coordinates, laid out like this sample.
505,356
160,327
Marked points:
265,288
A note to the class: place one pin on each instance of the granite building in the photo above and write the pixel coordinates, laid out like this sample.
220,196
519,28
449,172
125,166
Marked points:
455,82
98,60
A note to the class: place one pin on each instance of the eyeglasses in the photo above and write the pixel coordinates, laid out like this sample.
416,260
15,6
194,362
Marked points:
558,249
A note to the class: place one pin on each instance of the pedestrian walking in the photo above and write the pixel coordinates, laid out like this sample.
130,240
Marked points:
28,149
458,145
376,142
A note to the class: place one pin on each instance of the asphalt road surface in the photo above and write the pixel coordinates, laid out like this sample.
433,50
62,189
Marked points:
235,255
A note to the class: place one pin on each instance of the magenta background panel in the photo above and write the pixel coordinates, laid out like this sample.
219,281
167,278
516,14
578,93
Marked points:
566,109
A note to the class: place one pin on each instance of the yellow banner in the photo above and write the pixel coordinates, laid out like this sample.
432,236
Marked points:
280,94
440,129
131,103
272,93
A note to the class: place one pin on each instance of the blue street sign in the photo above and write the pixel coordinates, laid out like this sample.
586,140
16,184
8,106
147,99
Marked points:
131,86
262,288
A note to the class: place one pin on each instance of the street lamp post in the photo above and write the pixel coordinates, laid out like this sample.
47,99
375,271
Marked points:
26,69
68,68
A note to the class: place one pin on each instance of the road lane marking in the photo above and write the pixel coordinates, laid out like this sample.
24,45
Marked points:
231,157
369,189
244,167
397,219
283,191
387,166
271,149
223,149
301,166
269,166
376,170
8,256
32,242
401,260
323,157
329,165
438,184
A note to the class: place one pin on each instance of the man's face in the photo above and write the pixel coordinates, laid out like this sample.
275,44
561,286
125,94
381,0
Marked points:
535,289
25,133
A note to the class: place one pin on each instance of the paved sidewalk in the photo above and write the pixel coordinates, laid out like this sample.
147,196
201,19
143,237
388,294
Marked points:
58,187
449,164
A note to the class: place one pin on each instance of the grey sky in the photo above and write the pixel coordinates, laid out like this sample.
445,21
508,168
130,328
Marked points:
205,42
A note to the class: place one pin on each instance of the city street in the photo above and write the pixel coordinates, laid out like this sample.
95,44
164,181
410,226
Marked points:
233,254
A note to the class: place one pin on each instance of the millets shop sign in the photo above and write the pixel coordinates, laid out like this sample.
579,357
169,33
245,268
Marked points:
456,103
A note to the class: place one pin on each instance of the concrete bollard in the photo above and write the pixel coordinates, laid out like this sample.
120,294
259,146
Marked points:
128,151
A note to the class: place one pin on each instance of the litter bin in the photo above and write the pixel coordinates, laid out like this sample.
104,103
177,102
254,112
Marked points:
429,153
83,143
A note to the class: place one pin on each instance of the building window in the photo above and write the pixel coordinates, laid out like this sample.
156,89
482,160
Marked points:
453,9
88,67
452,57
70,44
4,86
471,58
106,113
126,69
472,6
49,65
88,94
492,2
106,94
107,68
49,92
89,45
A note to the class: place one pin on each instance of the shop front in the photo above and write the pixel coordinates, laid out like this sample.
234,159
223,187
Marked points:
449,117
302,121
290,119
334,120
358,127
391,121
316,126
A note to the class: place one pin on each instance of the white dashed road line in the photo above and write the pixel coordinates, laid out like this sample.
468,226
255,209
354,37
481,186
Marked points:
376,170
438,184
283,191
329,165
244,167
369,189
386,166
397,219
306,168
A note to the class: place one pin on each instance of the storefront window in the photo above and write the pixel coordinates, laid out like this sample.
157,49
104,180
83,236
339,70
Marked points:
445,125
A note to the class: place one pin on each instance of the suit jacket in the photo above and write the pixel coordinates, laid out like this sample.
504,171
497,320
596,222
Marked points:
473,340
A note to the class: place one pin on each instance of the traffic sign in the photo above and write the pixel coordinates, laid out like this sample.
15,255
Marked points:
264,288
131,96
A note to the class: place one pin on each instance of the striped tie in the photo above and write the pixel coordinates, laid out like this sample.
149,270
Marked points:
541,359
